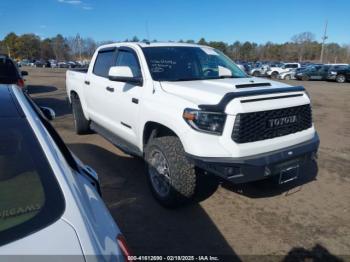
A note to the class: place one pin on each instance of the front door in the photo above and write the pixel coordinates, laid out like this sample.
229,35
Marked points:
125,98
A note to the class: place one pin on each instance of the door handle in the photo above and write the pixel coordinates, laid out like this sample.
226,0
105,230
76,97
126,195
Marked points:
110,89
135,100
87,82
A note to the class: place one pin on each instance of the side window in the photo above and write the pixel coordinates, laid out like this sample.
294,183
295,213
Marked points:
126,58
103,63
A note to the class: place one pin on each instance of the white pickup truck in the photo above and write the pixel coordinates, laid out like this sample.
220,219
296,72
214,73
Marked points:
274,71
189,111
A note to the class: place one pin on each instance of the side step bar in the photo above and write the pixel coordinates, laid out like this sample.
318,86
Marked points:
119,142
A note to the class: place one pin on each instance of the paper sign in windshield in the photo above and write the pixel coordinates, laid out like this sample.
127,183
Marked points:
158,66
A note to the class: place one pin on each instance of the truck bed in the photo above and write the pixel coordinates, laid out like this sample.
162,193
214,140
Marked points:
80,70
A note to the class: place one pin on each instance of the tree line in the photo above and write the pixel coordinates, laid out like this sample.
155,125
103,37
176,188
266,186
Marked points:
301,47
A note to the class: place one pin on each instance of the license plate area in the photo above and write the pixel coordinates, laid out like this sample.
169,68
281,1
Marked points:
289,174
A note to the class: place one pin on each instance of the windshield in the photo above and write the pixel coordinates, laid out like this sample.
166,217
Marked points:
30,195
189,63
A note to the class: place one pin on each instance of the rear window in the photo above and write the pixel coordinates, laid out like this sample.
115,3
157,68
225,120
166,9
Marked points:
8,71
30,196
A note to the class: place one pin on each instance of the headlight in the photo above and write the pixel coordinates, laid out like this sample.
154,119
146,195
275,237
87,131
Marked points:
333,73
209,122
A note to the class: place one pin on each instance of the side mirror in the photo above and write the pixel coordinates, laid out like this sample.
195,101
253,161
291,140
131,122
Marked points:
124,74
48,112
24,73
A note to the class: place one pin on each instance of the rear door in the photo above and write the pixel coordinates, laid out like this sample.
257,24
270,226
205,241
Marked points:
347,72
96,87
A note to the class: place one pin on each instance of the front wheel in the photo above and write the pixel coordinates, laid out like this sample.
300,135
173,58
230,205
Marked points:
256,74
274,75
171,176
340,79
287,77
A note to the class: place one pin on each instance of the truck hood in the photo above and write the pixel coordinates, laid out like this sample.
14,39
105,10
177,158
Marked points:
212,91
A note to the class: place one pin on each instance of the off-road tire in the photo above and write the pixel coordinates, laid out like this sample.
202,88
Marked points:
81,124
181,172
340,79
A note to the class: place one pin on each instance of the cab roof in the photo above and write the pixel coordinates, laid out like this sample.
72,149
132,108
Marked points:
9,107
153,44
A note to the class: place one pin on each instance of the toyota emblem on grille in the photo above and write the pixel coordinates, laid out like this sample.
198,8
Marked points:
281,121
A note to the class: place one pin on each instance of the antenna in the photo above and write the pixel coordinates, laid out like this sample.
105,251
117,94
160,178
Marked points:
324,38
147,32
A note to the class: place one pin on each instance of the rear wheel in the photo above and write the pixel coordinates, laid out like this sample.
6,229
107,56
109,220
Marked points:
171,176
81,124
287,77
340,79
274,75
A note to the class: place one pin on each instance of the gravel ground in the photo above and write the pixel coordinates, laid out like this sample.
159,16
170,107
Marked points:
307,219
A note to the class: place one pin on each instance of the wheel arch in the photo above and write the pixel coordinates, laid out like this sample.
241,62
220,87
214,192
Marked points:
154,129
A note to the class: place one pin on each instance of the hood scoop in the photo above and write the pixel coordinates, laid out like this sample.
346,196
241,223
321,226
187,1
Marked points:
253,85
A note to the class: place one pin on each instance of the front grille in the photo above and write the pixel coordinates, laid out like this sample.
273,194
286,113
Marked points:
256,126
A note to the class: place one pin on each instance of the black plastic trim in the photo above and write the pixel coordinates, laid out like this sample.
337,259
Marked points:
220,107
252,167
269,98
253,85
119,142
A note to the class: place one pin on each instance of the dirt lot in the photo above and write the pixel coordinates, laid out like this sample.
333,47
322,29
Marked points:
307,218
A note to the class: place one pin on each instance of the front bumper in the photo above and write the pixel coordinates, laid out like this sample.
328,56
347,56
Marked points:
258,167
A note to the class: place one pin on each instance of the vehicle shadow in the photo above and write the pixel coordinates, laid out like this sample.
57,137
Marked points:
150,228
36,89
271,187
317,254
60,106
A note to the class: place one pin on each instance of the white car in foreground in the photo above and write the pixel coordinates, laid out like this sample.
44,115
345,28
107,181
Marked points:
50,208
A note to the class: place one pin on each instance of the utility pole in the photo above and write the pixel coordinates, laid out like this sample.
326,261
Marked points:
8,51
324,38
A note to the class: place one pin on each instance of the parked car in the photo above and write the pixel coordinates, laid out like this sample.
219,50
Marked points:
9,72
340,74
259,71
25,62
315,72
50,201
188,110
274,71
42,63
288,75
53,63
